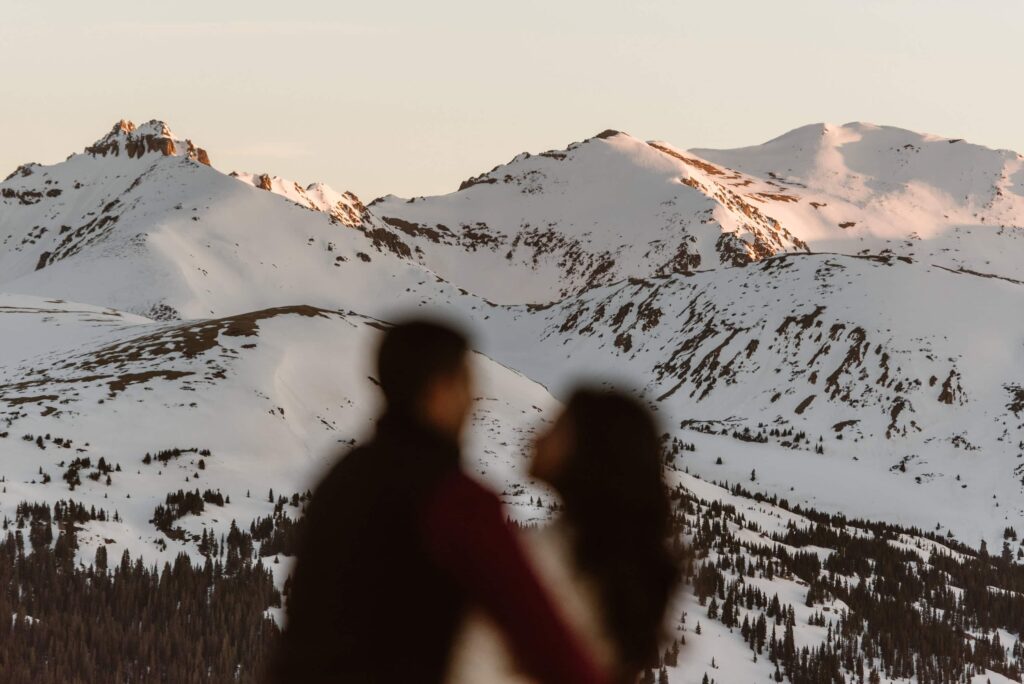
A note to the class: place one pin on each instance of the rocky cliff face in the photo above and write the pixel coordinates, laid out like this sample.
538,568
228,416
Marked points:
152,137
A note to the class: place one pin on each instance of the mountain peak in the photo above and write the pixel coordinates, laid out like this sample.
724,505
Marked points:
135,141
344,207
123,126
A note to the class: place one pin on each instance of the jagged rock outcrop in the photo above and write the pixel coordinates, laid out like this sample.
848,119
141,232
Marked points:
152,137
198,154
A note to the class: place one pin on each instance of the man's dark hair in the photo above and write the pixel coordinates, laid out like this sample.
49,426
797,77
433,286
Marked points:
414,353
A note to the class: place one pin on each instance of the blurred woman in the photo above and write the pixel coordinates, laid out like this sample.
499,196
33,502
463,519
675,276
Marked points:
604,560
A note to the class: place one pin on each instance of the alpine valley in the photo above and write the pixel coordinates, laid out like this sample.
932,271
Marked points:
829,326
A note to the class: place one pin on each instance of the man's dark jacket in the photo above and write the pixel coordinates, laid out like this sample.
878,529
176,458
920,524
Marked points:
397,541
367,604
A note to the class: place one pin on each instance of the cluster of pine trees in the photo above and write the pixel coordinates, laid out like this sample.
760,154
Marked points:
936,621
181,503
166,455
279,533
128,622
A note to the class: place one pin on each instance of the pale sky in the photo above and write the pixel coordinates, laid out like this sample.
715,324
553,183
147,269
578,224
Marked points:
411,97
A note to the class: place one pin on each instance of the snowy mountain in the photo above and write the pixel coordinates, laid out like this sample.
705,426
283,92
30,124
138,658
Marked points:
863,188
900,380
91,383
606,209
896,331
614,207
344,207
830,318
134,208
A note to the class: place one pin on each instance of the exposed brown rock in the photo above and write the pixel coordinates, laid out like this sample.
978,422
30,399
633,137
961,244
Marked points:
197,154
951,389
24,196
775,196
1016,398
134,145
704,166
476,180
804,404
25,170
386,240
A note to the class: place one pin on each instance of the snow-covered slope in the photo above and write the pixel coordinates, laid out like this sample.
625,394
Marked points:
614,207
905,377
865,188
776,580
136,224
273,395
608,208
344,207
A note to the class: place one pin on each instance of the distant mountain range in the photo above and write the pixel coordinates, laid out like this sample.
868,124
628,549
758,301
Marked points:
840,309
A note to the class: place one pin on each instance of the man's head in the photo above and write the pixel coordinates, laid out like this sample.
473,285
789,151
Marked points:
424,373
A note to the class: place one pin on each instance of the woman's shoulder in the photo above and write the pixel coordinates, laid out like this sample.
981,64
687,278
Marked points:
550,551
481,653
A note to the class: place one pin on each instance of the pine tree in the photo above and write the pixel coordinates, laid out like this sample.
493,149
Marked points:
101,559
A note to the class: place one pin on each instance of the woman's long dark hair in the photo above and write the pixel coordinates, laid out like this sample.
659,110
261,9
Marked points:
617,504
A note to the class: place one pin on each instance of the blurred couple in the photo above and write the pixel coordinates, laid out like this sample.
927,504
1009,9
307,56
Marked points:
409,571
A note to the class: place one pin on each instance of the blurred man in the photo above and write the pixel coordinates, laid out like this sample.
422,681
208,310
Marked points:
398,541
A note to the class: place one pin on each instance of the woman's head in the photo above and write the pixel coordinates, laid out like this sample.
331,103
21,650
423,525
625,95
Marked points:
602,439
603,457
